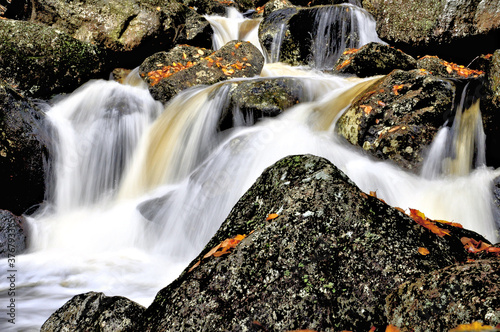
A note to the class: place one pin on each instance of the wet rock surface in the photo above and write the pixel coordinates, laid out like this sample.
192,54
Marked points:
397,117
453,30
490,109
326,262
41,61
13,234
24,151
131,29
95,312
235,59
430,302
374,59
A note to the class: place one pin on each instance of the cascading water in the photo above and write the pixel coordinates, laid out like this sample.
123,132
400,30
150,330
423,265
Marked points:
136,200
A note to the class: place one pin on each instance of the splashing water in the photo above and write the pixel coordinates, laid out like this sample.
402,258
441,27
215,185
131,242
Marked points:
141,188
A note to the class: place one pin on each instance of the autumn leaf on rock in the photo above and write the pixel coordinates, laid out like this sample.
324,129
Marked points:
476,326
272,216
474,246
221,249
366,108
391,328
420,218
423,251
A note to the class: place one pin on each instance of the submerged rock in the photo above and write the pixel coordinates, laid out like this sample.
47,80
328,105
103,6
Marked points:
325,261
24,144
131,29
443,299
397,117
233,60
455,30
41,61
95,312
252,100
13,234
374,59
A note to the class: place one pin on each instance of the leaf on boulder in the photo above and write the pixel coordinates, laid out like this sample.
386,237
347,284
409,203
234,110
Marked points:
476,326
423,251
272,216
422,220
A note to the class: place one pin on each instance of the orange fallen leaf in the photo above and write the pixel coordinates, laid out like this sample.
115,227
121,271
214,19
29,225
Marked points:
194,266
476,326
343,64
423,251
391,328
372,329
396,88
420,218
272,216
366,108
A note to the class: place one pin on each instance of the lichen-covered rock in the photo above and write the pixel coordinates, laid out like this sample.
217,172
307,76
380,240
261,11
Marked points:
233,60
132,29
12,234
274,5
374,59
442,68
24,144
443,299
251,100
453,30
315,36
397,117
41,61
490,110
95,312
209,7
326,262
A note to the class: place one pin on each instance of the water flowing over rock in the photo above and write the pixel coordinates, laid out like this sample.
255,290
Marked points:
399,115
132,29
41,61
315,36
454,30
374,59
430,302
13,234
327,261
235,59
23,151
252,100
95,312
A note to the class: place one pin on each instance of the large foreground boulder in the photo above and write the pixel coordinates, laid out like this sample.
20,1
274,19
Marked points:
325,258
24,151
13,236
454,30
131,29
398,116
95,312
430,302
41,61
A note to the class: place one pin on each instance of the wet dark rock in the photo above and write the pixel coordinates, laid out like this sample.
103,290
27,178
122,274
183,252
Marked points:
24,144
490,110
397,117
443,299
233,60
13,234
454,30
274,5
327,262
442,68
301,35
209,7
310,3
41,61
131,29
16,10
252,100
95,312
374,59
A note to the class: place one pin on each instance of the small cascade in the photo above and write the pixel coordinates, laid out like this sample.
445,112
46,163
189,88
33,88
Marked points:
98,128
458,150
233,27
338,28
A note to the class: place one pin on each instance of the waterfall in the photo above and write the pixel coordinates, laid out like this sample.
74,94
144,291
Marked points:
141,187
